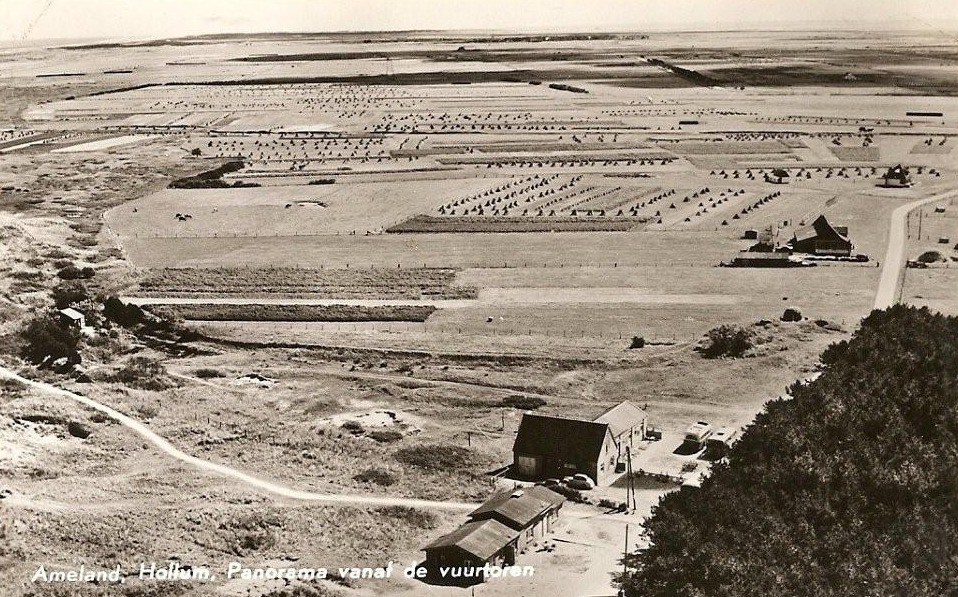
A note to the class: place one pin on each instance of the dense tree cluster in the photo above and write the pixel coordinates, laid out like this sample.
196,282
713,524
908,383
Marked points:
848,488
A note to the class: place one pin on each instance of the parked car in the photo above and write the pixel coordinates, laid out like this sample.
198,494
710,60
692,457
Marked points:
653,434
551,482
581,481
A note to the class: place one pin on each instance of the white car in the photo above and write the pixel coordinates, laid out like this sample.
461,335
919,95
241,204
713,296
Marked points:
581,481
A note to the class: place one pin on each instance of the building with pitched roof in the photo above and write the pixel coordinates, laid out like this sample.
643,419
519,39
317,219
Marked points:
530,511
626,421
548,446
821,238
897,176
778,176
473,544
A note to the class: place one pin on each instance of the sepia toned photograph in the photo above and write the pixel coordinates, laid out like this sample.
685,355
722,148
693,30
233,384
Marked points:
512,298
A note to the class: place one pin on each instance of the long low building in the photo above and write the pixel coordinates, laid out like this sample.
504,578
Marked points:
504,525
530,511
474,544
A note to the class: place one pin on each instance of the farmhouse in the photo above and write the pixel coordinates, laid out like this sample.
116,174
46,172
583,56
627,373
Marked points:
778,176
530,511
474,544
897,176
558,446
821,238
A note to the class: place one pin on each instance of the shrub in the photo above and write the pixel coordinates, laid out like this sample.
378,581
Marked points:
122,314
930,257
142,373
69,294
521,402
354,427
573,495
72,272
379,476
727,341
637,342
208,373
78,430
439,457
613,505
420,519
46,338
791,315
386,436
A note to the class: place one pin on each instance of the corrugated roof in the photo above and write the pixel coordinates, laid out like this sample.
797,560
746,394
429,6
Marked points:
482,538
622,417
572,440
518,507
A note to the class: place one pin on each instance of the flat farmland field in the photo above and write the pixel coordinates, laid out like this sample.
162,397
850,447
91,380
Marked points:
560,249
278,211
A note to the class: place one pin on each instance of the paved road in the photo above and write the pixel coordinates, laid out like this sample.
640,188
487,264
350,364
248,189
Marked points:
894,262
271,487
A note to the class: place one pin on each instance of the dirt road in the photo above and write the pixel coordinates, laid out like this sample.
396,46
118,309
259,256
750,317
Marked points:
246,479
894,262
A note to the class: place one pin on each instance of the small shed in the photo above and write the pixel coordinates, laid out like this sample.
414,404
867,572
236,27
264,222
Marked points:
70,317
474,544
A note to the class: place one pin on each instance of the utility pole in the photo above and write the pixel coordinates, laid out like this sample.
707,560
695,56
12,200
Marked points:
625,554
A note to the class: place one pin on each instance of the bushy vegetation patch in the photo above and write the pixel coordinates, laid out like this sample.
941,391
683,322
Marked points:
847,488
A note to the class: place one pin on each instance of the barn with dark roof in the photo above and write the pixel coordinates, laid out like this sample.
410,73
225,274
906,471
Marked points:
548,446
821,238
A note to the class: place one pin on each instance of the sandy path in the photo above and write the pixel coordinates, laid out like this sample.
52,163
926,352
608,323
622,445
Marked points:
887,294
220,469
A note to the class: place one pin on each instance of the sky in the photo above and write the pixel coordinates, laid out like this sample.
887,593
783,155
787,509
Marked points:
139,19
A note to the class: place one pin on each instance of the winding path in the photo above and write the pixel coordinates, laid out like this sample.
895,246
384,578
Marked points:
246,479
895,254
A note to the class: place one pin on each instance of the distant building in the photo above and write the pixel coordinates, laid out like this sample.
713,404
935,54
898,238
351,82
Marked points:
530,511
764,259
548,446
474,544
71,318
897,176
778,176
821,238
